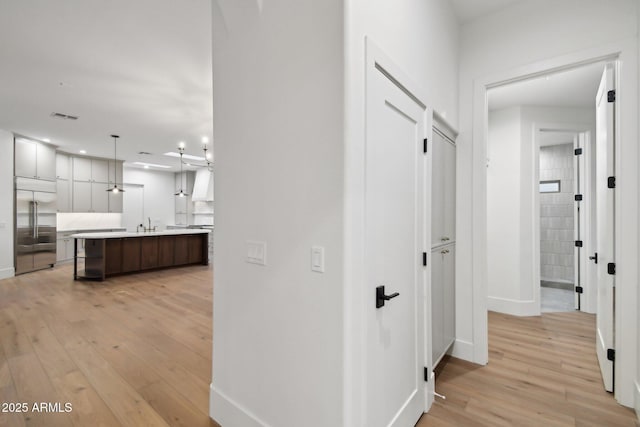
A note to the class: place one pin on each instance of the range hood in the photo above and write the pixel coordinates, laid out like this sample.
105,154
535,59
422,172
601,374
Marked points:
203,186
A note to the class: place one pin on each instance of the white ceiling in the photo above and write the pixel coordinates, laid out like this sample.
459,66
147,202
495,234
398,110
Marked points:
468,10
573,88
140,69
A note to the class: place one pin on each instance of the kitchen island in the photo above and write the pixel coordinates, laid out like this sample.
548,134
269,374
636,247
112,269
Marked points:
101,255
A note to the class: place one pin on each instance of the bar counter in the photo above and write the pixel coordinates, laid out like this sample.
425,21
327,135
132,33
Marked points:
101,255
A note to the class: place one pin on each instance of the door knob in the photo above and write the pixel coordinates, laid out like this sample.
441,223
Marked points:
594,257
381,297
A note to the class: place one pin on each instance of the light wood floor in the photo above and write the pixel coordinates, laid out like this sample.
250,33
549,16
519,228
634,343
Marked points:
133,350
136,351
542,371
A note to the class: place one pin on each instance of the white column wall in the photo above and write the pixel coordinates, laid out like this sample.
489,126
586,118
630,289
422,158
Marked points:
6,208
278,100
520,38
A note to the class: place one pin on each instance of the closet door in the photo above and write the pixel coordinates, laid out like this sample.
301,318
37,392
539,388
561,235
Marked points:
449,202
437,309
448,297
438,191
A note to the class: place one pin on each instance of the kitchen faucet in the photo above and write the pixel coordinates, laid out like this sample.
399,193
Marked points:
148,229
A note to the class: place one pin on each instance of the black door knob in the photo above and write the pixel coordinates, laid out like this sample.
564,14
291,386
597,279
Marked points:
381,297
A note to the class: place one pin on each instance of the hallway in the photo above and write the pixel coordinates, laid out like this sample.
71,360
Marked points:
542,371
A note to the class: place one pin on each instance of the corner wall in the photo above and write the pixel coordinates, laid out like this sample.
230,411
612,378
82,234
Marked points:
520,39
278,69
6,208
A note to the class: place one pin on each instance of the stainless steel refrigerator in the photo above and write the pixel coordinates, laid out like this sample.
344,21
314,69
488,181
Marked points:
35,224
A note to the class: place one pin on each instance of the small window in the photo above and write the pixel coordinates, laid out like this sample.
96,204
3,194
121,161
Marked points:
550,186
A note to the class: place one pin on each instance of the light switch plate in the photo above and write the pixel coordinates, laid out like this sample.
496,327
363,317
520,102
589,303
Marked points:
317,259
257,252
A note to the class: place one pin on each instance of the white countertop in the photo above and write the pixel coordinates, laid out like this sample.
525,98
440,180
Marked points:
120,234
91,230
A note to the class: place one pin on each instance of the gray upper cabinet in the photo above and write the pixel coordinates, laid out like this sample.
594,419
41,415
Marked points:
94,170
91,178
443,189
81,169
63,166
34,159
99,170
81,196
63,190
46,161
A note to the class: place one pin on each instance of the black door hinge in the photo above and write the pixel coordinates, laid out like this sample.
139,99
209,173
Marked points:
577,151
578,197
424,259
579,289
424,146
611,96
578,243
426,374
611,268
611,182
611,354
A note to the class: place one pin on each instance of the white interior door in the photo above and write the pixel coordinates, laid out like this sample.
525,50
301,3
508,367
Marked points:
579,215
605,227
394,242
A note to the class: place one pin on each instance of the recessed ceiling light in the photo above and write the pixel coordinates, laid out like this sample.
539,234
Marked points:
186,156
46,139
153,165
83,151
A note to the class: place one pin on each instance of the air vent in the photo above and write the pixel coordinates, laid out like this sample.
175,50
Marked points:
63,116
144,153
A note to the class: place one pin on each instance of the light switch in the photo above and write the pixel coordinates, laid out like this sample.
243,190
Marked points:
257,252
317,259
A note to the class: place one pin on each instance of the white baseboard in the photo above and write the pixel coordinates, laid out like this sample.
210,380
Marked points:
636,399
463,350
6,273
229,413
513,307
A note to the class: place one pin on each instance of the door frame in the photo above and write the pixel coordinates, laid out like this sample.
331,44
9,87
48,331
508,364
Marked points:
573,129
626,210
357,297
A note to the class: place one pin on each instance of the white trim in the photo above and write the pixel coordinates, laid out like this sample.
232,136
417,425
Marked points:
462,350
514,307
226,412
626,206
6,273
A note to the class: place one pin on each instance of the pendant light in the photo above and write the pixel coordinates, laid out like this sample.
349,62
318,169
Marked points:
181,193
115,189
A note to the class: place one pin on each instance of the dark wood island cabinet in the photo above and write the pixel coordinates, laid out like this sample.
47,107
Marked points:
101,255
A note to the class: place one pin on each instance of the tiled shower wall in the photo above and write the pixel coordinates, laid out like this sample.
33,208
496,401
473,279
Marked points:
556,214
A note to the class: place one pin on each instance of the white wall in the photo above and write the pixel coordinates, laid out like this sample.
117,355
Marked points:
421,37
523,38
503,208
159,201
6,208
278,120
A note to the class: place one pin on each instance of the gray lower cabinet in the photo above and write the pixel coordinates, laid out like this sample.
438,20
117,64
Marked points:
442,301
64,247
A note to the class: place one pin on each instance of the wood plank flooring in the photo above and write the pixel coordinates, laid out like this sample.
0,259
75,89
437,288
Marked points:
136,351
542,371
130,351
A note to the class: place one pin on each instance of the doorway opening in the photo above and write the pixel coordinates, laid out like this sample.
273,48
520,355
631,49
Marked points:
557,225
